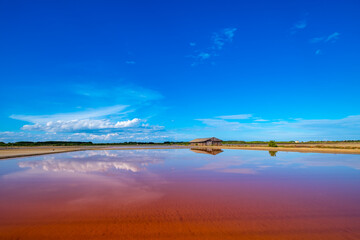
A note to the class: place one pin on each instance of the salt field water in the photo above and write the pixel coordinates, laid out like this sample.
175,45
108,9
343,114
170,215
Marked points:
180,194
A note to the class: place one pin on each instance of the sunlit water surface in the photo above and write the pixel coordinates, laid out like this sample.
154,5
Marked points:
180,194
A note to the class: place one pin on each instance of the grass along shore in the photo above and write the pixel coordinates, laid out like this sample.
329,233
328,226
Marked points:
322,147
331,147
305,149
21,151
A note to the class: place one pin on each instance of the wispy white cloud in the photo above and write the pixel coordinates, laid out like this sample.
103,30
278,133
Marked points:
261,120
192,44
300,24
91,113
224,36
124,93
292,129
317,39
218,40
333,37
204,55
220,123
200,58
325,39
238,116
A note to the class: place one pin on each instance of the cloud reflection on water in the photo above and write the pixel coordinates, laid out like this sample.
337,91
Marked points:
94,161
122,177
77,180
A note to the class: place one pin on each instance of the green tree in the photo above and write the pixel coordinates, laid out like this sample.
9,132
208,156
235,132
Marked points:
272,143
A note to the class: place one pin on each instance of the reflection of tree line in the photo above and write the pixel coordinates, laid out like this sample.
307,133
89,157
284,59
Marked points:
273,153
213,151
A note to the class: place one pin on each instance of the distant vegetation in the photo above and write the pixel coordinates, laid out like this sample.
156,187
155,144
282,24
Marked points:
272,144
253,142
48,143
69,143
285,142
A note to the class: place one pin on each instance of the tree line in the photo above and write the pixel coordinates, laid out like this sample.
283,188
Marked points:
74,143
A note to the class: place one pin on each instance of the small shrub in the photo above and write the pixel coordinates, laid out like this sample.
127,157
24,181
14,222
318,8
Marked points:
272,144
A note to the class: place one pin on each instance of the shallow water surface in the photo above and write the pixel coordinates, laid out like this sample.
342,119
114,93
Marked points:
180,194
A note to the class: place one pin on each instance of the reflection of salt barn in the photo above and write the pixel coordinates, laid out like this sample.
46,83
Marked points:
211,151
206,142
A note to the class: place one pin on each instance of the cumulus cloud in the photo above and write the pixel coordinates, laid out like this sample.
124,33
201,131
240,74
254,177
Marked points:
80,125
137,134
97,137
111,123
86,125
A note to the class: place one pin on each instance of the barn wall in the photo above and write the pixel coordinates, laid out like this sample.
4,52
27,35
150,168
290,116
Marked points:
207,143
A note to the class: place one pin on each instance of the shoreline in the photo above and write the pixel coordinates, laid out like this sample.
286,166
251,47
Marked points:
290,149
17,152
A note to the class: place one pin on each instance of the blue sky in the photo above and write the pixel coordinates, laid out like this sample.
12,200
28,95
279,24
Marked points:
114,71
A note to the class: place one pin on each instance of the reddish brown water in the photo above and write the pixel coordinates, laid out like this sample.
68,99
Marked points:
180,194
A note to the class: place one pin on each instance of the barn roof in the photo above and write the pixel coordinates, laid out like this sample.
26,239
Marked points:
198,140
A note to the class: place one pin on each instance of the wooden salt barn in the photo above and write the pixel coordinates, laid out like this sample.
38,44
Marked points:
206,142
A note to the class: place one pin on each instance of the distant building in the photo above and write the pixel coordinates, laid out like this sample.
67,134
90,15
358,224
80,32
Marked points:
297,141
206,142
